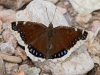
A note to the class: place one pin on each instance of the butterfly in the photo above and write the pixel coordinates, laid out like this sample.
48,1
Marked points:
42,42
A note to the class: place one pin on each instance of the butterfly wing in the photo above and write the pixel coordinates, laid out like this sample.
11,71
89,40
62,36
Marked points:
65,38
34,35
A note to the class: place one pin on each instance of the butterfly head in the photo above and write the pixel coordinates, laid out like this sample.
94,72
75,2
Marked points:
50,25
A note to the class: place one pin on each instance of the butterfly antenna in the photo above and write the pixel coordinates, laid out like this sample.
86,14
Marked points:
53,16
47,15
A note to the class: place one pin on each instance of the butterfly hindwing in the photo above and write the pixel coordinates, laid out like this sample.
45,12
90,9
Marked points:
63,39
70,36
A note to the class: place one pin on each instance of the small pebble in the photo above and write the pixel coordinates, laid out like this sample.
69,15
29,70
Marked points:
9,58
23,67
7,15
66,3
8,37
62,10
11,68
83,18
7,48
95,25
21,53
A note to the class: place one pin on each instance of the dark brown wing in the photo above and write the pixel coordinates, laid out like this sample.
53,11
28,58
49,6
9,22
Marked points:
63,39
34,35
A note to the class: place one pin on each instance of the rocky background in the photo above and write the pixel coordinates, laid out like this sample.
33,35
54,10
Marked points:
78,13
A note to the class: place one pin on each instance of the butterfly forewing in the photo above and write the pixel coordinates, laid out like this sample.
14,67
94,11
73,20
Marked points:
68,36
62,40
34,34
30,30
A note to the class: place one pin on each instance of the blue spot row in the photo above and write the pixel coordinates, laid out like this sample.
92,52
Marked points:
21,34
83,37
14,27
60,54
35,52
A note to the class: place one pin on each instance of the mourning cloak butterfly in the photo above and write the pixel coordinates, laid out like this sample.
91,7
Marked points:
43,42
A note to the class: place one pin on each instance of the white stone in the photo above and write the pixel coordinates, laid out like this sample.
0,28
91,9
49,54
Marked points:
79,62
85,6
23,67
36,12
7,48
11,68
